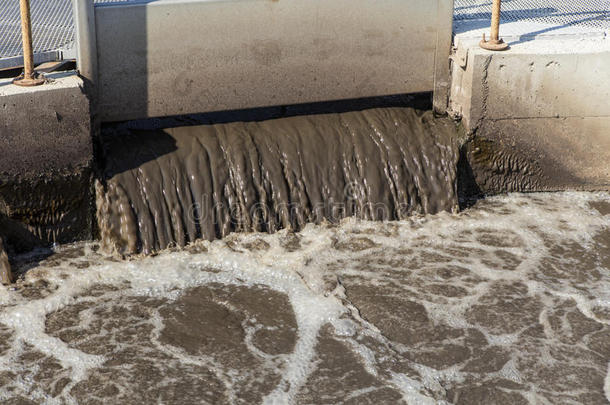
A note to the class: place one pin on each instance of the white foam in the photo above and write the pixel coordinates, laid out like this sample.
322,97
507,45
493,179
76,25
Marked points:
528,225
412,390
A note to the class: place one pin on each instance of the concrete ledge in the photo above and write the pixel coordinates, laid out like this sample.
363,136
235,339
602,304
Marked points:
44,128
543,105
45,164
534,79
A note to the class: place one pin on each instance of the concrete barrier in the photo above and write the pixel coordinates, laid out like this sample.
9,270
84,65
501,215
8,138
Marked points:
45,163
543,106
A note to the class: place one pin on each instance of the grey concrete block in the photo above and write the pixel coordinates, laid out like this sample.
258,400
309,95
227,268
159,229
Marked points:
540,113
46,157
44,129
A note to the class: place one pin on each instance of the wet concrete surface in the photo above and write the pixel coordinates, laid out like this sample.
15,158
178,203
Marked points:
506,302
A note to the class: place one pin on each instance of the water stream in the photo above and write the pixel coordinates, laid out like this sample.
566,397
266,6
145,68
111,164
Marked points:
506,302
174,186
314,259
5,266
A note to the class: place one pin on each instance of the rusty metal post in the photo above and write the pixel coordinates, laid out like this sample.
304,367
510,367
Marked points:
30,77
495,43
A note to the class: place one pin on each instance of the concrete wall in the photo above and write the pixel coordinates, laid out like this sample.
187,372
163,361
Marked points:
544,102
45,162
179,57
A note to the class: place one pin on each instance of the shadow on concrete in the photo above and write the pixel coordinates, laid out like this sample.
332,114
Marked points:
421,101
530,36
134,51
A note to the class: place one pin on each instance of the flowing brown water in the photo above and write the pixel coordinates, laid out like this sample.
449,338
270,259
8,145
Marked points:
507,302
5,266
172,186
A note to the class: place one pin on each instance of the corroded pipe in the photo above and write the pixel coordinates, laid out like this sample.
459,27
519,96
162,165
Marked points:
495,43
30,77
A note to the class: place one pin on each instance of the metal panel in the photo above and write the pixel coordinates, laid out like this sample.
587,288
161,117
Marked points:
52,31
42,57
170,57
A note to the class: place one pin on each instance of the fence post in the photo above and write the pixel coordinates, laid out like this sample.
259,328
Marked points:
30,77
495,43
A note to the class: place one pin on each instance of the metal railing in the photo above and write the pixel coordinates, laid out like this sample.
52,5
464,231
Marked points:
84,28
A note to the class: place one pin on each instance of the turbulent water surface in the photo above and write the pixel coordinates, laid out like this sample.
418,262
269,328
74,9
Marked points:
507,302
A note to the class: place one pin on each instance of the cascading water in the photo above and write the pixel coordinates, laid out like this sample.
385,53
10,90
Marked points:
506,302
173,186
5,266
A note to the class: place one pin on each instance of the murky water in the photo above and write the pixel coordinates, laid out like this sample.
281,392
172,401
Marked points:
172,186
6,276
507,302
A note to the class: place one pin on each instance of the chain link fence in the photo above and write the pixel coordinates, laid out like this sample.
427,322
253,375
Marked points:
586,13
52,26
52,29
